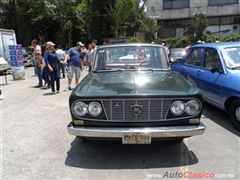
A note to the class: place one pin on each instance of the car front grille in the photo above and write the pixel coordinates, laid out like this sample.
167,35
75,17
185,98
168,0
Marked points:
147,109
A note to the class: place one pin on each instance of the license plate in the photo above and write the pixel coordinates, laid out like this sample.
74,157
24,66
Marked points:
136,138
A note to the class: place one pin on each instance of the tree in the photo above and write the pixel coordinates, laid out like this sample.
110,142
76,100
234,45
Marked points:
199,24
66,22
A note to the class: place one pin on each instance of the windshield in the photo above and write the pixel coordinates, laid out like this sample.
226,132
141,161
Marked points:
131,57
232,57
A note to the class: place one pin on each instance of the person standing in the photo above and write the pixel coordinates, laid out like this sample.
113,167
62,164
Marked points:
51,61
74,63
61,56
37,61
91,53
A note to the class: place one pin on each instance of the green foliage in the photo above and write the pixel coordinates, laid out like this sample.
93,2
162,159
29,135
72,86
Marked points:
230,37
177,42
66,22
199,24
183,41
134,40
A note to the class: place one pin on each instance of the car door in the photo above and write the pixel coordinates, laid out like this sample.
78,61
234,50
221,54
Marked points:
211,77
192,64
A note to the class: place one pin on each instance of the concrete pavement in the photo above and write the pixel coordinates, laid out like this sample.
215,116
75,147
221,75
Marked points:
36,145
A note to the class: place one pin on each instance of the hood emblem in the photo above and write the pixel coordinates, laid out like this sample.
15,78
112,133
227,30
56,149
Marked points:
136,109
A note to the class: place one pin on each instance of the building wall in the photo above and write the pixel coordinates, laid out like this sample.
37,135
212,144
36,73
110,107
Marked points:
155,9
173,21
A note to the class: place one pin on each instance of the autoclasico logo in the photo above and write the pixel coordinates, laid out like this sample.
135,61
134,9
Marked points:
189,175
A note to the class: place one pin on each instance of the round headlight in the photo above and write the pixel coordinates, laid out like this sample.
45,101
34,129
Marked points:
94,109
177,108
193,107
79,109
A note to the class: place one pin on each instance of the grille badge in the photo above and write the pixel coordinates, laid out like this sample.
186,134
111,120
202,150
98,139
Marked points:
136,109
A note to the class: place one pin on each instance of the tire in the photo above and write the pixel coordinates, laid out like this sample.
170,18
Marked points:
234,112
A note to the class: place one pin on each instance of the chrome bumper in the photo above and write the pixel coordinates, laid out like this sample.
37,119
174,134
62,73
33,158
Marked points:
118,132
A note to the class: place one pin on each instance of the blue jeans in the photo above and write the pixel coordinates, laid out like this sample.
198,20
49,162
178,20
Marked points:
55,77
39,74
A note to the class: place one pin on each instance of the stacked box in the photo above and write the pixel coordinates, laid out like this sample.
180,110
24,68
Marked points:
16,56
16,61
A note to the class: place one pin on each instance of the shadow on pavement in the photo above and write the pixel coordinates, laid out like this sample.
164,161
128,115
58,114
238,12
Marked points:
114,155
220,117
49,94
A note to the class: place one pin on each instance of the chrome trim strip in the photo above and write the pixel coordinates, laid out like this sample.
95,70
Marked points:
110,108
141,121
123,110
170,106
148,109
105,112
155,132
118,99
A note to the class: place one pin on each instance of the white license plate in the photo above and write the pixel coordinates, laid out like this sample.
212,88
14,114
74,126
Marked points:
136,138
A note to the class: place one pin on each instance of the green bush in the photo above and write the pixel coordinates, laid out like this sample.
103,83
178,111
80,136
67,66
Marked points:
183,41
175,42
230,37
134,40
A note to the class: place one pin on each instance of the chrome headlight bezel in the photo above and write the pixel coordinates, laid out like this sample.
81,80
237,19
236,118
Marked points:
177,104
198,107
97,105
78,104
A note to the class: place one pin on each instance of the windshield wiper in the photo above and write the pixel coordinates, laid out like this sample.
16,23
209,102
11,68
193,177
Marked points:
235,68
153,69
109,70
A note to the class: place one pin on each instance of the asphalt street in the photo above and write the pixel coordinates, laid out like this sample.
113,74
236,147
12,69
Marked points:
35,144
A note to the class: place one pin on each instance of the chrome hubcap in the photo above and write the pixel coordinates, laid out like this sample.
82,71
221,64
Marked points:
237,113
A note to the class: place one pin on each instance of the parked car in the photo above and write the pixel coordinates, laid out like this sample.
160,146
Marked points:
135,99
176,54
27,57
215,69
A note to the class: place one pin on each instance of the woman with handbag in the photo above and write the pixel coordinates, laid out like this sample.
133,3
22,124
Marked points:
52,63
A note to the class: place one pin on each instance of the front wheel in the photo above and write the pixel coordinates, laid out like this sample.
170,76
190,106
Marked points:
234,112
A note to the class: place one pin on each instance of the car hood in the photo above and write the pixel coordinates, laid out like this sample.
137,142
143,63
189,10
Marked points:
134,83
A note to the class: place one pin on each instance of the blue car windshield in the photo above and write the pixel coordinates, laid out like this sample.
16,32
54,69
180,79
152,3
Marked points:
232,57
130,58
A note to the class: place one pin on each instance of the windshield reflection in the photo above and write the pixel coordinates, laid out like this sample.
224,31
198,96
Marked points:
232,57
131,58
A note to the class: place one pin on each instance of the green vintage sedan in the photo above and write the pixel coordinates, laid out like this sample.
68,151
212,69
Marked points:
131,95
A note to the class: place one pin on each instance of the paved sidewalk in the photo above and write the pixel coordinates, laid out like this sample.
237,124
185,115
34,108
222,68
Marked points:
35,144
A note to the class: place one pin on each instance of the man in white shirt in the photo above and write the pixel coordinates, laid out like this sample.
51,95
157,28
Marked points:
61,56
91,53
38,61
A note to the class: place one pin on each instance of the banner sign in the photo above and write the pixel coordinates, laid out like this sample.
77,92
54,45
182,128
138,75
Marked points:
16,61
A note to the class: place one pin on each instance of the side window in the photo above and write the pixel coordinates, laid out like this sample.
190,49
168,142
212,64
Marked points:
212,59
195,57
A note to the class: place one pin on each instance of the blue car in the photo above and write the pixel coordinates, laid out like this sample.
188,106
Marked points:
215,69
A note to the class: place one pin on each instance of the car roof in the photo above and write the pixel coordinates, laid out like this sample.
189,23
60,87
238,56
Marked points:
130,44
219,45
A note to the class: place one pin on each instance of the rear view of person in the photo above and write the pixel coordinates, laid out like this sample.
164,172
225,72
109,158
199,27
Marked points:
61,56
